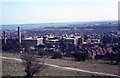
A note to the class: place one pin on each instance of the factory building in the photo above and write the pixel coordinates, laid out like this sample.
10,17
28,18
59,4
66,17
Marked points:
31,42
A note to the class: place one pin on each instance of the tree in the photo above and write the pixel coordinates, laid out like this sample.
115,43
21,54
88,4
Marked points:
79,56
31,65
62,45
56,55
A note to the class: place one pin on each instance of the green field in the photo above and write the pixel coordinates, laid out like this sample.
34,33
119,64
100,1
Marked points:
14,68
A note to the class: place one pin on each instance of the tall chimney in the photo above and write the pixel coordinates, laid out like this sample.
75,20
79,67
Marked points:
4,37
19,35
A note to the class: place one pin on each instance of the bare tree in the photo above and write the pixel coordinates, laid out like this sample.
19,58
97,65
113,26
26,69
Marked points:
31,65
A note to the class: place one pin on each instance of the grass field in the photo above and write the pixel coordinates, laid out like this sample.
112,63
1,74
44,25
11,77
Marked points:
14,68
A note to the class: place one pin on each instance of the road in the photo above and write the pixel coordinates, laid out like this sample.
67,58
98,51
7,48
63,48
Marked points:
70,68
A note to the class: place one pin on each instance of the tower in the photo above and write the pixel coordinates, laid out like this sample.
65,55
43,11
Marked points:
4,37
19,35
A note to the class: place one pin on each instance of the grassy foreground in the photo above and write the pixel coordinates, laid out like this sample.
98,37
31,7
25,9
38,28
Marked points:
14,68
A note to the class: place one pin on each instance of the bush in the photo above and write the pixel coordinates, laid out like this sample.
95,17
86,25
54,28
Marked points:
80,56
56,55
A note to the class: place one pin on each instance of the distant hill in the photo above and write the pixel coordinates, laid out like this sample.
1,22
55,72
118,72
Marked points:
54,25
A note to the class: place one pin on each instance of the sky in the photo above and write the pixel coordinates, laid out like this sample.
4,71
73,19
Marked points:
52,11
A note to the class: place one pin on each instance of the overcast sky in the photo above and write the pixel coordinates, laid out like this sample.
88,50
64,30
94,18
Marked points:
51,11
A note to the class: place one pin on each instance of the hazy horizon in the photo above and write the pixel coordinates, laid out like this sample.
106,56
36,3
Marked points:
63,22
60,24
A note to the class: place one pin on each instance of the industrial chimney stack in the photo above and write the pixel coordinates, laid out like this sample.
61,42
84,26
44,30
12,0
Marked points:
4,37
19,35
